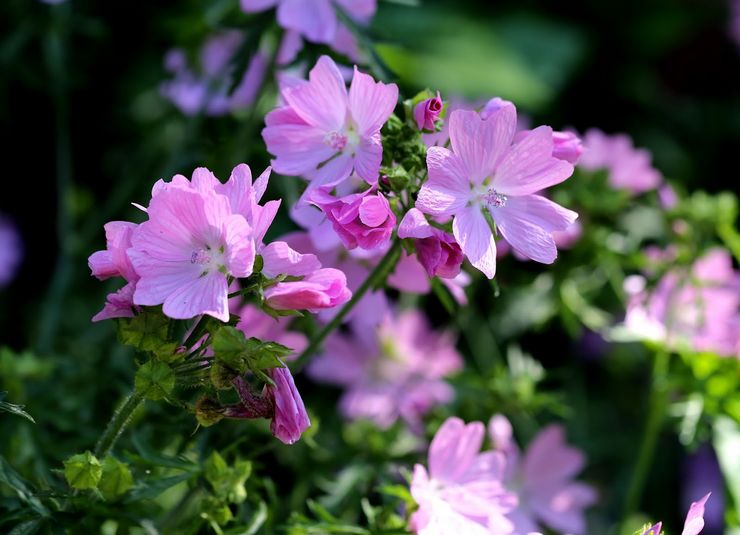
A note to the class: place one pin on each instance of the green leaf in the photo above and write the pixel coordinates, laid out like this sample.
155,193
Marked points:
147,331
147,491
155,380
29,527
14,409
23,489
232,348
116,479
227,482
83,471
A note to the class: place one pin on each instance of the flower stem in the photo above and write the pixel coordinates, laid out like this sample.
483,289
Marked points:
658,402
376,277
117,424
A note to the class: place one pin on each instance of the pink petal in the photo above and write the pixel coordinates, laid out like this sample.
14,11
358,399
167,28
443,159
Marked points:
101,265
475,237
253,6
479,143
695,518
367,158
260,185
654,530
529,166
279,258
525,236
370,103
298,148
262,218
447,190
204,295
414,225
239,257
330,174
314,19
323,101
549,459
162,277
539,211
238,189
410,276
374,210
361,10
454,448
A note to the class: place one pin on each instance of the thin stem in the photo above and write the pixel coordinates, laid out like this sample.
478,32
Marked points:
658,402
376,277
117,424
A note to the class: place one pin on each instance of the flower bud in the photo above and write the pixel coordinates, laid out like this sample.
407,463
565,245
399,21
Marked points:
566,146
290,419
427,112
326,288
439,254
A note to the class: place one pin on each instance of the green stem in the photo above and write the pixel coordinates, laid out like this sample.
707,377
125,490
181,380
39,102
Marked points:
117,424
376,277
658,403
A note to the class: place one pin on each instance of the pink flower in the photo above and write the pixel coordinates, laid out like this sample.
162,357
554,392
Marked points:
187,249
543,480
427,112
324,132
437,251
629,168
114,262
484,171
362,220
463,490
397,372
325,288
694,519
315,20
290,419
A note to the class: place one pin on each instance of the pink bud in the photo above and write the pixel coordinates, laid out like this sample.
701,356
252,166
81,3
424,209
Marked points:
440,255
290,419
325,288
362,220
566,146
427,112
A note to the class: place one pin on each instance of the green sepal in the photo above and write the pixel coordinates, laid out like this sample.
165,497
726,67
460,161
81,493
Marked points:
155,380
239,353
147,331
116,479
83,471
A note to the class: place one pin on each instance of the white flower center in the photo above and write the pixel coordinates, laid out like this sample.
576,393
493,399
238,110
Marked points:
210,258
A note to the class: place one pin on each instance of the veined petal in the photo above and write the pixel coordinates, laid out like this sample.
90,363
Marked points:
480,144
475,237
161,277
367,159
314,19
299,148
370,102
279,258
239,247
323,101
205,295
525,236
454,448
540,211
529,166
447,190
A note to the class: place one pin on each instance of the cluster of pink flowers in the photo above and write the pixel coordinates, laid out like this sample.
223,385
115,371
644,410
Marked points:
697,309
629,168
494,491
205,88
394,371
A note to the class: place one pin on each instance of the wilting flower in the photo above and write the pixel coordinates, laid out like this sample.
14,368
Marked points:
427,112
437,251
543,480
397,373
324,288
206,88
290,418
463,491
324,132
114,262
698,309
629,168
10,251
694,520
186,251
485,172
362,220
315,20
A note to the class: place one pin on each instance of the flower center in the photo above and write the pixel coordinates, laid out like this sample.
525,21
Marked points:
494,198
209,258
201,256
336,140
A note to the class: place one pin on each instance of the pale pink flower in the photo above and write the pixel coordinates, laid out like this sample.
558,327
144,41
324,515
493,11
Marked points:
324,288
114,262
437,251
187,249
324,132
394,371
427,112
543,478
629,168
11,251
694,520
315,20
290,418
463,491
362,220
484,171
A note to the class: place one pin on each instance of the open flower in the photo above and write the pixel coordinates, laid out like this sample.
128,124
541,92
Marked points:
463,491
543,480
486,172
324,132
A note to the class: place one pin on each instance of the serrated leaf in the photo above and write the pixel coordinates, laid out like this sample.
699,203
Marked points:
83,471
146,331
232,348
116,479
155,380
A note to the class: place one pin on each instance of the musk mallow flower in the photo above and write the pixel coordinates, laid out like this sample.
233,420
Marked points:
543,479
694,519
324,132
485,172
394,371
187,250
437,251
462,491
